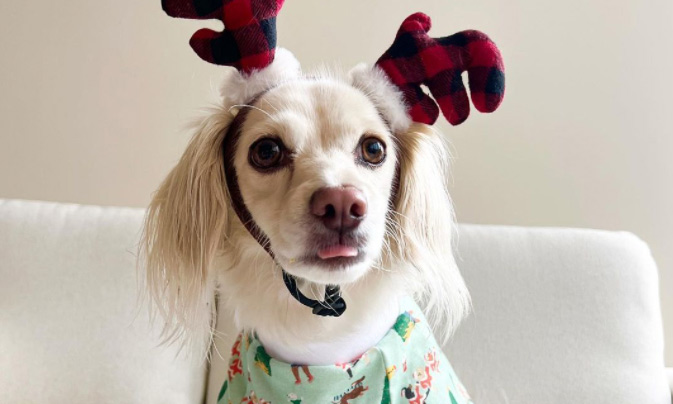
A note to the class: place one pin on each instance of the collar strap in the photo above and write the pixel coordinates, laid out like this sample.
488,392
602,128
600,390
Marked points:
333,305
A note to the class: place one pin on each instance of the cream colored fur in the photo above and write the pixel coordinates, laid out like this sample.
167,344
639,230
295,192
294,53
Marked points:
194,244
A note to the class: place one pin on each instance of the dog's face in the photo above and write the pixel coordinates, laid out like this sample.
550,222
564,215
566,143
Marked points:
315,164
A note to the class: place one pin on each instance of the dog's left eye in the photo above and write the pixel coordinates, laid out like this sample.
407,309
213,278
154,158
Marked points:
267,153
372,150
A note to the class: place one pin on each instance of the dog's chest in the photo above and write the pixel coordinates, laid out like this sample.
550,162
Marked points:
406,366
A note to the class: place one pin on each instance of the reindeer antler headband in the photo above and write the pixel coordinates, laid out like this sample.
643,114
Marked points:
415,59
248,43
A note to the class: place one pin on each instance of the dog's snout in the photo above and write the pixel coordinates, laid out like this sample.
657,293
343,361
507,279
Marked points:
339,208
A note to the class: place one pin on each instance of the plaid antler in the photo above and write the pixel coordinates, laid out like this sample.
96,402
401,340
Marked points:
415,59
248,41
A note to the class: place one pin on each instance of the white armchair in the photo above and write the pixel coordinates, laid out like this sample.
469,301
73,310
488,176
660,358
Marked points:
559,316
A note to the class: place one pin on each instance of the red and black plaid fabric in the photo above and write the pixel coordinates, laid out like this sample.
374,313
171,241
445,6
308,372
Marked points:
415,59
248,41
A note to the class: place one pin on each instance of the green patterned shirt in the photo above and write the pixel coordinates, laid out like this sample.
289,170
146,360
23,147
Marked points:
406,367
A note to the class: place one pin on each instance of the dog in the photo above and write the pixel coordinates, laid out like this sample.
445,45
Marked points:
312,184
322,128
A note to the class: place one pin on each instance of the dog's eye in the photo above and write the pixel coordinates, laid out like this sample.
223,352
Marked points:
266,153
373,150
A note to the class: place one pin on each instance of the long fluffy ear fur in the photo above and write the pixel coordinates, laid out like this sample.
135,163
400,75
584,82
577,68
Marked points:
185,227
187,221
422,226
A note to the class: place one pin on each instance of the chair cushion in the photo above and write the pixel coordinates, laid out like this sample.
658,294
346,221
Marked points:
560,315
71,330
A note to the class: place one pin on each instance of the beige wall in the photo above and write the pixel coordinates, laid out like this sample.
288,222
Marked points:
94,95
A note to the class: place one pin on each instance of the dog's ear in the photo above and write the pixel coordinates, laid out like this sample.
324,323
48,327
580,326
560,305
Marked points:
422,225
184,229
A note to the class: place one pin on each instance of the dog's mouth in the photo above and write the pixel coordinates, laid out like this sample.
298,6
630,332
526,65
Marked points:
335,252
336,262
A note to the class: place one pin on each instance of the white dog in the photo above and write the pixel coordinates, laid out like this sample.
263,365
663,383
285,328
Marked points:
298,186
305,145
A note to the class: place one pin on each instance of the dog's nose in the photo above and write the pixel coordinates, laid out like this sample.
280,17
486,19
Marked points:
339,208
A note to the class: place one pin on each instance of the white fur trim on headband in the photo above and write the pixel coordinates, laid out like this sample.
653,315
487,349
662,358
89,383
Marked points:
240,88
384,94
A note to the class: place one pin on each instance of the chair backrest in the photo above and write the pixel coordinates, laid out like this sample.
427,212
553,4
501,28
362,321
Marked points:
560,315
71,330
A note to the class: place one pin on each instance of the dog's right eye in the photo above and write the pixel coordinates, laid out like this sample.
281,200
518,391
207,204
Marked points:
267,153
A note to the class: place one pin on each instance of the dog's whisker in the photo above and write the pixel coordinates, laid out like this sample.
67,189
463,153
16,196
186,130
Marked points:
381,268
269,103
251,107
217,351
396,213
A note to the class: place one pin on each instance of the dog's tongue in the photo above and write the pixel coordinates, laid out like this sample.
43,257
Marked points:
337,251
